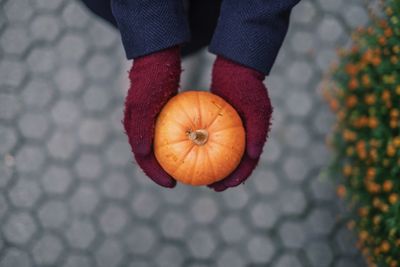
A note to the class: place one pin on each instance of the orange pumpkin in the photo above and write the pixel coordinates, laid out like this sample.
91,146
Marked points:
199,138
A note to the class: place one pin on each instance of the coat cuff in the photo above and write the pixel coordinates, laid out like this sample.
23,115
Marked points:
251,33
148,26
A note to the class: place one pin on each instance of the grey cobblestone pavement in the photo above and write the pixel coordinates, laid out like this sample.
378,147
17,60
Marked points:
70,195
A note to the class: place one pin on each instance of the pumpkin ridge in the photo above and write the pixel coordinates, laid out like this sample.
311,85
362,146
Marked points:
199,109
215,118
210,163
173,143
187,115
194,167
224,145
227,128
184,156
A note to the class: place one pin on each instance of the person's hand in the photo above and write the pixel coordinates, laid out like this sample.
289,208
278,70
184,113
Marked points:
243,88
154,80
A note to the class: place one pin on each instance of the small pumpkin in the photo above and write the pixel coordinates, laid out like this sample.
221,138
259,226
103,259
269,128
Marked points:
199,138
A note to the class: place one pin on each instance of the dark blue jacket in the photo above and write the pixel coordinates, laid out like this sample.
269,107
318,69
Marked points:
249,32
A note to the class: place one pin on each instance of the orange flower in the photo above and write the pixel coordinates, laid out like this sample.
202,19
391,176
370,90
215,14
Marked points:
347,170
394,113
393,198
385,246
351,69
386,95
373,122
391,151
394,123
387,185
353,84
370,99
351,101
366,80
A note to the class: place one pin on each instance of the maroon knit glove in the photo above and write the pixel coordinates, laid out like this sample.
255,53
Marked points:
243,88
154,80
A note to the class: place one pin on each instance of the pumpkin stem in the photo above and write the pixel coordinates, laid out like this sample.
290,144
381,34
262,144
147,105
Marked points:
199,137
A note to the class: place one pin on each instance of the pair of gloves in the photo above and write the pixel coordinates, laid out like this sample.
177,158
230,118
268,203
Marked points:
155,79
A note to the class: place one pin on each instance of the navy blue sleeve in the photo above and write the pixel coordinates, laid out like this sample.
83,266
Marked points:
252,32
148,26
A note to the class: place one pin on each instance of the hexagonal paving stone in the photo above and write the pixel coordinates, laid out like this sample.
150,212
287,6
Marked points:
8,139
53,214
56,179
5,175
113,219
264,182
12,73
330,29
96,99
25,193
42,60
321,221
89,166
105,37
300,72
260,249
288,260
3,208
292,234
297,136
298,104
9,106
69,80
75,16
202,244
304,13
34,125
30,158
99,67
116,185
230,258
47,249
140,240
263,215
14,40
45,27
296,168
93,132
14,257
80,234
62,145
65,113
204,210
18,10
355,16
173,225
109,254
19,228
145,204
169,256
292,202
232,229
119,153
38,93
319,253
84,200
72,47
236,197
78,261
179,196
48,5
